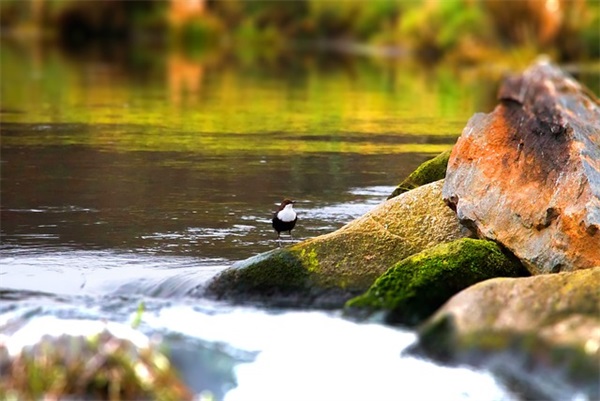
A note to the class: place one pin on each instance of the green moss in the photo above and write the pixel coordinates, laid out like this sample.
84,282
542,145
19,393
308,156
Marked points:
276,272
430,171
310,260
417,286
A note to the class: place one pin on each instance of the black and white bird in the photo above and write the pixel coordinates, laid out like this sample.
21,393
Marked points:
284,219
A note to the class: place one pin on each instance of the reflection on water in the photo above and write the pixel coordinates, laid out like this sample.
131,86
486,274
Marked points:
317,94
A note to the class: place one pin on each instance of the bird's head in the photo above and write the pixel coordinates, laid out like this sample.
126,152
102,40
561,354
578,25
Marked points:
287,203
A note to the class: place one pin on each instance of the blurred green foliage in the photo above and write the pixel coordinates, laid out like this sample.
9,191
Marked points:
435,31
101,366
463,30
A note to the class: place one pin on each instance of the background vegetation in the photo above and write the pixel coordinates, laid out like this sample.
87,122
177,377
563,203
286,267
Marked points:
457,30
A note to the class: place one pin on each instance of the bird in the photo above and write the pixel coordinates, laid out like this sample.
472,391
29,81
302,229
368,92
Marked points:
284,219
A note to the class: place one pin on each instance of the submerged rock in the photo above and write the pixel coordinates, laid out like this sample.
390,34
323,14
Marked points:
528,174
417,286
85,360
328,270
430,171
540,333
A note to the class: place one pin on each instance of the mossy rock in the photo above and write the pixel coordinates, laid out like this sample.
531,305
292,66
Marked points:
540,334
430,171
282,275
328,270
417,286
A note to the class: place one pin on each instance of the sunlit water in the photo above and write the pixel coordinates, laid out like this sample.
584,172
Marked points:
119,190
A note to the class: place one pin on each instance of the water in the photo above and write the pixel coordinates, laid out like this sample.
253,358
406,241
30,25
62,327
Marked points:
121,188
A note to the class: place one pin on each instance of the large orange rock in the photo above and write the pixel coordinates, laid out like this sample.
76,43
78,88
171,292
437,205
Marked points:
527,175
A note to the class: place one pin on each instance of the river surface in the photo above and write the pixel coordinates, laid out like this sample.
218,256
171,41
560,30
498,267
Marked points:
128,182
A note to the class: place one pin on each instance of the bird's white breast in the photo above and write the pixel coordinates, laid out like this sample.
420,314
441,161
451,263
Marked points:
287,214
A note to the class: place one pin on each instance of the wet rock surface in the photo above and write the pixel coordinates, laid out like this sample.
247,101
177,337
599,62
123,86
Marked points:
540,333
329,269
528,174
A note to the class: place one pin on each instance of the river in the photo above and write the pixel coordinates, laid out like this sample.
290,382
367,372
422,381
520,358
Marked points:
128,182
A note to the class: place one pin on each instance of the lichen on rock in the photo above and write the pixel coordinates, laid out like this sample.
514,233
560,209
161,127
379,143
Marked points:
417,286
329,269
430,171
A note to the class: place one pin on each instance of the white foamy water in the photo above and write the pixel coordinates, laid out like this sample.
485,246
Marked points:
285,356
313,355
72,272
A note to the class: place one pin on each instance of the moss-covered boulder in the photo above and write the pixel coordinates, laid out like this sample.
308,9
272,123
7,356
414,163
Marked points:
281,277
328,270
540,334
414,288
430,171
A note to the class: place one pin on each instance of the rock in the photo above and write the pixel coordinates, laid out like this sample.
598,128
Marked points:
540,333
328,270
417,286
51,358
430,171
528,174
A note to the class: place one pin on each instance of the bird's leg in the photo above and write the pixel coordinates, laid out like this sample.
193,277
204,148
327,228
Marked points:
290,232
